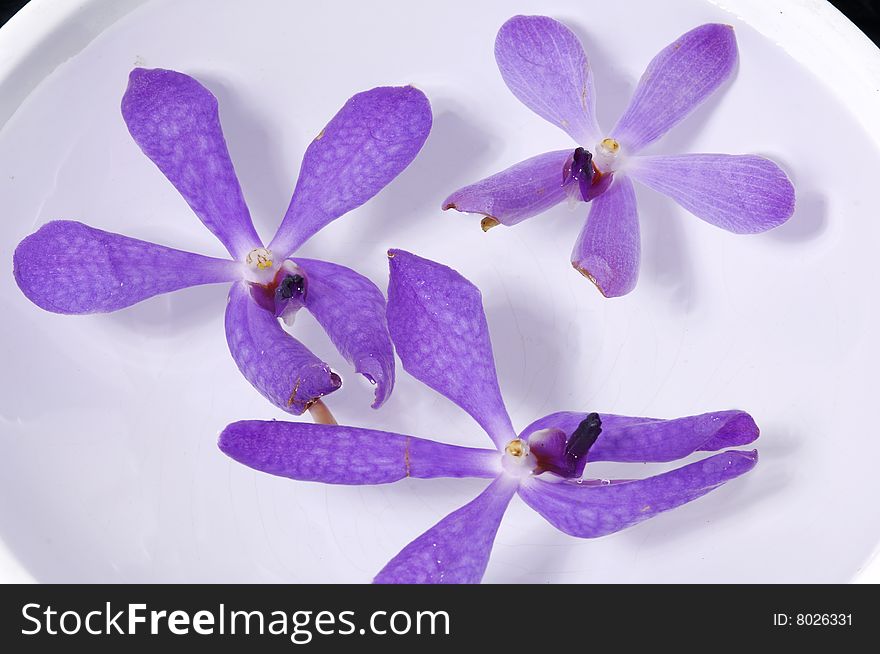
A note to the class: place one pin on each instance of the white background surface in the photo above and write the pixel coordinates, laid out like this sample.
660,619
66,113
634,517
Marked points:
110,470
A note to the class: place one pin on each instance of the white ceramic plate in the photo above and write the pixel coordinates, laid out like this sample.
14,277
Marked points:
110,470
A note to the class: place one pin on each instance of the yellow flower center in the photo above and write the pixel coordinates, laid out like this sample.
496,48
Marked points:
259,259
610,145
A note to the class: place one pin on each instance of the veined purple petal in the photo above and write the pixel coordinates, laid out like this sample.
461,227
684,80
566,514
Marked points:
639,440
456,550
522,191
68,267
744,194
438,326
545,66
277,365
175,121
608,250
675,83
372,139
351,309
590,511
349,455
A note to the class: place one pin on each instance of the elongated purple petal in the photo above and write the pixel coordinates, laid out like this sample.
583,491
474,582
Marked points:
277,365
744,194
438,326
175,121
522,191
351,309
456,550
608,250
675,83
593,510
639,440
349,455
545,66
372,139
68,267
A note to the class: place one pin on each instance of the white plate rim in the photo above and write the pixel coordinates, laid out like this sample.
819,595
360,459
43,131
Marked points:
39,35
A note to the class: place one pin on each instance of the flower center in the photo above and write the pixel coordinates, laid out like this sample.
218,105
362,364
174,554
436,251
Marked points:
607,155
259,266
564,455
583,177
259,259
517,459
284,293
516,448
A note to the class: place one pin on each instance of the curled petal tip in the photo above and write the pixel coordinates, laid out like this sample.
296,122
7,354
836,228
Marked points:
300,402
743,426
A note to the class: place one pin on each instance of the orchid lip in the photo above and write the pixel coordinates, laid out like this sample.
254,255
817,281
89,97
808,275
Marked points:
284,293
582,168
564,454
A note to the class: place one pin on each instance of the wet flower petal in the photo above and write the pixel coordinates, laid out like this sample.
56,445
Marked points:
522,191
456,550
351,309
277,365
639,440
438,326
372,139
675,83
335,454
68,267
608,249
593,510
744,194
544,65
175,121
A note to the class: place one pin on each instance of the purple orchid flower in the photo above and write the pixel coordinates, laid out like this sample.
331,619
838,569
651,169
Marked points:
439,329
70,268
546,68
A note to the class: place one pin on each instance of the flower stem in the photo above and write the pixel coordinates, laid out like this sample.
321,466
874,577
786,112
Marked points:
321,414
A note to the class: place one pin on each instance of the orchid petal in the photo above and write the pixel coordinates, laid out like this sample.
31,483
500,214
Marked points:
546,68
68,267
608,249
744,194
349,455
675,83
590,510
522,191
372,139
456,550
639,440
175,121
275,363
351,309
437,323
